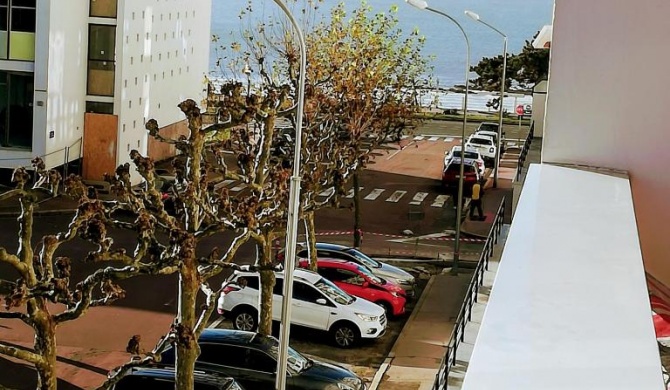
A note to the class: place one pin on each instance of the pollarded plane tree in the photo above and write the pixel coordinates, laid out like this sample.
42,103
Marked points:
365,73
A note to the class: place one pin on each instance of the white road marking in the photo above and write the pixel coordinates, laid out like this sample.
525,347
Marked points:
440,200
350,194
395,197
448,139
404,137
216,323
374,194
433,138
418,198
328,192
418,138
239,188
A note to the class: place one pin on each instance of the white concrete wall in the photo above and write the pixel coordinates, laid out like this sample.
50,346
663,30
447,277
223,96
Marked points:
64,72
607,105
162,60
539,103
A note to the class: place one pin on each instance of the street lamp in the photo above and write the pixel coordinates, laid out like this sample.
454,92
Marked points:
293,212
421,4
476,18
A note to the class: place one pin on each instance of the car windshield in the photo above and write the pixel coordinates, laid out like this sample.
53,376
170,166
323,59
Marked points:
488,127
468,155
296,362
333,292
480,141
366,271
365,259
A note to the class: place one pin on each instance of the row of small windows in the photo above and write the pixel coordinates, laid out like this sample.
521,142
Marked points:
160,56
174,35
153,17
146,77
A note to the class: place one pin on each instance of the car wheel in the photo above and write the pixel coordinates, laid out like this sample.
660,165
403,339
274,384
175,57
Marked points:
387,308
345,335
245,318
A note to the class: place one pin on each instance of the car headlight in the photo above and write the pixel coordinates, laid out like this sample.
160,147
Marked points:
350,383
366,317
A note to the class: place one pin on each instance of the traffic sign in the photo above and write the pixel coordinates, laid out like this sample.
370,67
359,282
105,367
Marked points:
519,109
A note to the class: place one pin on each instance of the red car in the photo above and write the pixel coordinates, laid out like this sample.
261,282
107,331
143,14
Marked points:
359,281
451,174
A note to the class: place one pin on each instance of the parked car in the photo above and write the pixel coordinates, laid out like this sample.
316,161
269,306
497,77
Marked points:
359,281
484,144
386,271
471,155
451,174
251,358
491,129
164,378
317,303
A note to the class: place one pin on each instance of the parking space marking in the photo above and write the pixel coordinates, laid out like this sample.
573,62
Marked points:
328,192
440,201
350,194
433,138
374,194
448,139
395,197
418,198
418,138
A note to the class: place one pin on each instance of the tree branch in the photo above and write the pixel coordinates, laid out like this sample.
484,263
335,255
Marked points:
20,353
14,261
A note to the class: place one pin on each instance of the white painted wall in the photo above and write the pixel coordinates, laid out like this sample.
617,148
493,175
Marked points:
539,103
162,60
65,74
607,105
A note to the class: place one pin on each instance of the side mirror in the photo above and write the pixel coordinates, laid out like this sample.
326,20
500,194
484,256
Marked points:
321,301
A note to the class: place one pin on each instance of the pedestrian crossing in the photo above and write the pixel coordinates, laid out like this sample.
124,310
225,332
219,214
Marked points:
390,196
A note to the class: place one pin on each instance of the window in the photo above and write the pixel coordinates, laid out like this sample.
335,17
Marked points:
101,66
278,288
304,292
252,281
101,108
16,109
17,29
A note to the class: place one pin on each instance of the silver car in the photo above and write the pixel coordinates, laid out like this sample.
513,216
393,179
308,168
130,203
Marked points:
385,271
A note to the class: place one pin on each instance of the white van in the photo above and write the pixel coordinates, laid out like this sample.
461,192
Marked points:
317,304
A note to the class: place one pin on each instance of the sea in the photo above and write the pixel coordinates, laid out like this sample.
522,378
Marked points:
520,20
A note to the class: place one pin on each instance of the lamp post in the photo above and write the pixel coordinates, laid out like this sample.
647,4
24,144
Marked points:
421,4
476,18
293,211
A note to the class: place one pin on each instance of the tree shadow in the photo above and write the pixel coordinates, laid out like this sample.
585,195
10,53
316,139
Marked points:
22,376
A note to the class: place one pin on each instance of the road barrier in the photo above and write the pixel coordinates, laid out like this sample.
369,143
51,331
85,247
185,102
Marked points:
465,314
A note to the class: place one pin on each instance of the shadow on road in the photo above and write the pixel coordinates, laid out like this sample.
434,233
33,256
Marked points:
22,377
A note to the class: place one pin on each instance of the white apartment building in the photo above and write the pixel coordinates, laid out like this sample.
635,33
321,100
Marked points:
79,78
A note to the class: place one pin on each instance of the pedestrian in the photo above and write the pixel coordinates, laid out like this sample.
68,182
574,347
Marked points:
476,201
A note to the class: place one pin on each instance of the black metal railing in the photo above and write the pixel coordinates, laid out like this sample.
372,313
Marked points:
524,152
465,314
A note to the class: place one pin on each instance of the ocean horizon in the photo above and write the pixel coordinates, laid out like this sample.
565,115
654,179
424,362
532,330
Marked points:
520,20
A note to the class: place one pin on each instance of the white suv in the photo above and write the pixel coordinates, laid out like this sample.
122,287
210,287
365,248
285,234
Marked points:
484,144
317,304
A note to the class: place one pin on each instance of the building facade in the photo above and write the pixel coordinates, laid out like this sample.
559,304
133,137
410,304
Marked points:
79,78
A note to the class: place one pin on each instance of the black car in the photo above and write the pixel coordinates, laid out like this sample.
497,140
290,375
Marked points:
163,379
251,358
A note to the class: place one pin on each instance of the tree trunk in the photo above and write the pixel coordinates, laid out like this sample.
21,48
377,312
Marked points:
187,345
311,239
45,346
357,213
267,286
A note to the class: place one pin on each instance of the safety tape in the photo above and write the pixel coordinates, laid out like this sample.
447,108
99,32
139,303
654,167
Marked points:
343,233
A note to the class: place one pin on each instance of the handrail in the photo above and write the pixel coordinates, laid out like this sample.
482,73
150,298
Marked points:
465,313
524,152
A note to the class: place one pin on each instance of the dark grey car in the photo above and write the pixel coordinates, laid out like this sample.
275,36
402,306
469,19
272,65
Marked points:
251,358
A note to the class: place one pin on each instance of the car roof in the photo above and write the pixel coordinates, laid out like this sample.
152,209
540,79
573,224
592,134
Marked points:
237,337
340,263
168,373
332,247
300,274
486,132
488,124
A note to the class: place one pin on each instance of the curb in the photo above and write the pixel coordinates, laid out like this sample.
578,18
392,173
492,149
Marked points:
389,358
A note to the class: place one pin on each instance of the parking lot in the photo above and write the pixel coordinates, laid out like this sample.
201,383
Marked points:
369,353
